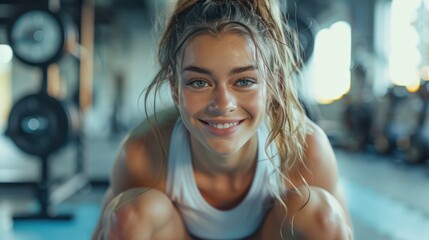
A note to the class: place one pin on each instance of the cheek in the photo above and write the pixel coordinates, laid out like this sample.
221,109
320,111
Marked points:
255,101
188,102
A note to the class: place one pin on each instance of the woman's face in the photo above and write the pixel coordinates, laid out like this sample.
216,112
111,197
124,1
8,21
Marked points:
221,95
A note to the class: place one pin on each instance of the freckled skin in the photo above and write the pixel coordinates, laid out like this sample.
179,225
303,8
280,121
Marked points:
222,97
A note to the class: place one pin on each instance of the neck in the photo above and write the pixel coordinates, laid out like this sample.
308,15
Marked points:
240,162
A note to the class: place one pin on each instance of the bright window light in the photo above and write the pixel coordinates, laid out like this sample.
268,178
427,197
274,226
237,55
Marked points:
6,53
332,56
404,57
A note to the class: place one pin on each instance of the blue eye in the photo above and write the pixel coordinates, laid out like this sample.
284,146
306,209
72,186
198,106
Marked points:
198,84
245,82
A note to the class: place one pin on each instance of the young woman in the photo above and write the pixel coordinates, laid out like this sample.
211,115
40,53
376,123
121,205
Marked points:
235,158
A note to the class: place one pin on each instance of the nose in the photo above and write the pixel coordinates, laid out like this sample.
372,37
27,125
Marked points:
223,101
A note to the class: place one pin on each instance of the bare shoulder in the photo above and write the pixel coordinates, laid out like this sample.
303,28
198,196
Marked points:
322,167
320,161
143,154
317,140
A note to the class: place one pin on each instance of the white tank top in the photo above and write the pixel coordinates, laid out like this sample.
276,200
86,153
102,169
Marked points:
200,218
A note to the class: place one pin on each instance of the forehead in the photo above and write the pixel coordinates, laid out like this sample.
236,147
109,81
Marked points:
224,49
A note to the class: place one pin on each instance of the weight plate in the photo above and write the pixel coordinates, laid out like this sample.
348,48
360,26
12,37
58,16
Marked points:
39,124
38,37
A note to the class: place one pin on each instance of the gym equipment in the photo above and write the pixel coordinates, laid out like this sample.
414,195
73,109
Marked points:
357,118
115,121
38,37
418,150
392,135
40,125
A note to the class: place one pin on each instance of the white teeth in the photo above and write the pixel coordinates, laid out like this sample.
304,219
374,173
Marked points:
223,125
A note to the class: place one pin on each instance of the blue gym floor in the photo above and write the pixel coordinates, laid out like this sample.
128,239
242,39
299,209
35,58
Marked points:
387,200
80,227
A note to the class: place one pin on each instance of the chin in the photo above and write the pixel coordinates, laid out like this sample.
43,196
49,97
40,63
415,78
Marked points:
224,148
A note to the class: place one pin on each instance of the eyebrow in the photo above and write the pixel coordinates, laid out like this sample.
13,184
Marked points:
208,72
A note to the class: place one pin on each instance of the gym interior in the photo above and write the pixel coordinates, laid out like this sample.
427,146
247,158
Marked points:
65,110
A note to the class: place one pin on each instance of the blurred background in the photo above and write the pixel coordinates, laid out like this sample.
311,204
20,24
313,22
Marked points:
72,73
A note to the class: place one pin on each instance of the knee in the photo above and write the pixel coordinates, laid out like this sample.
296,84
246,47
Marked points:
317,214
147,203
138,211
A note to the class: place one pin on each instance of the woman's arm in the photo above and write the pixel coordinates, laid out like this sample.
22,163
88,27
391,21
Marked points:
121,179
139,163
322,166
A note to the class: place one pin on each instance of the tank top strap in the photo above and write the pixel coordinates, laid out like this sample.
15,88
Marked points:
178,154
269,157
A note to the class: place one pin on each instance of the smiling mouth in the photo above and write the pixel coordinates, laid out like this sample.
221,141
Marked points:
222,125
